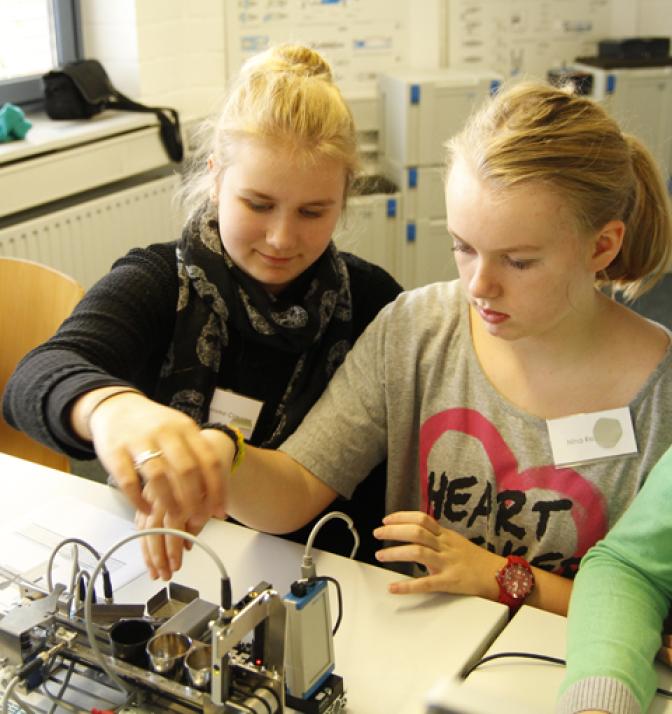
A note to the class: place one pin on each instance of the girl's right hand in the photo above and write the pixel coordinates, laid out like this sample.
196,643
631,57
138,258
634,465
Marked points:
163,554
187,475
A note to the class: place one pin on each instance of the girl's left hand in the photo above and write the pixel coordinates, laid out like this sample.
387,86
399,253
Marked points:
163,553
455,565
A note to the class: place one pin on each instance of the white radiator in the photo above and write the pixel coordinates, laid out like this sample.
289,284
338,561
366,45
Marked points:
86,238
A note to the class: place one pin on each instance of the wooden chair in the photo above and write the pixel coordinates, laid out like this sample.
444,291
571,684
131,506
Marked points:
34,301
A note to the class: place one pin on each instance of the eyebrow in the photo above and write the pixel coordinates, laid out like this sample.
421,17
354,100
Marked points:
251,193
509,249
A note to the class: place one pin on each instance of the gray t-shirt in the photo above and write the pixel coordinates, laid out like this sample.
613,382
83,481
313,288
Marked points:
412,389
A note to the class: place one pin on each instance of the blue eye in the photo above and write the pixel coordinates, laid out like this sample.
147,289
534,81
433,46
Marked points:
258,207
520,264
459,247
310,213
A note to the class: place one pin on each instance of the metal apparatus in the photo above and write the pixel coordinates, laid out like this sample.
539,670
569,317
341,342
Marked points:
175,653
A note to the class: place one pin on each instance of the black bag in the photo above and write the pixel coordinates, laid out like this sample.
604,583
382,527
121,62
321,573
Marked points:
81,89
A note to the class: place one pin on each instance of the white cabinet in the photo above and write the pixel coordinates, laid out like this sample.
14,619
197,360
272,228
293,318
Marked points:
370,227
420,109
641,101
424,253
421,189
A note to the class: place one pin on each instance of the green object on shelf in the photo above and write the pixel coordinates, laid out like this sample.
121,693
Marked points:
13,123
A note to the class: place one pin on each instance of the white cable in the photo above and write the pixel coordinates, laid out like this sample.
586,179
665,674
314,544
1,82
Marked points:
7,696
54,552
74,571
88,601
57,699
307,566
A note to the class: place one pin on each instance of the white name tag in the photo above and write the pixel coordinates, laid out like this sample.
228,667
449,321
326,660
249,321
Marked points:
591,437
230,408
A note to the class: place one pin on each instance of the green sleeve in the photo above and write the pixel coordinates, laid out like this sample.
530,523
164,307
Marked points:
620,598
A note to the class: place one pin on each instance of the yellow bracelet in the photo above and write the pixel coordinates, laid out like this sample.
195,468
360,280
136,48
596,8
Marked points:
236,435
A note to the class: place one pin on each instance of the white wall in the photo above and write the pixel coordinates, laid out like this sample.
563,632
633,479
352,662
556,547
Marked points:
655,18
173,52
163,52
625,17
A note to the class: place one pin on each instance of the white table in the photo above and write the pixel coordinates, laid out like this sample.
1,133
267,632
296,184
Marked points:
389,650
519,686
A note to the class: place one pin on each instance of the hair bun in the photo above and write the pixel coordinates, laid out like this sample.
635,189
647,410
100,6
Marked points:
295,59
303,60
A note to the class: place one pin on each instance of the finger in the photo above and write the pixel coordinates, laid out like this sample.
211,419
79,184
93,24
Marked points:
174,544
158,492
141,521
413,586
194,526
158,556
146,556
155,546
407,534
212,471
183,471
408,554
123,473
413,517
140,524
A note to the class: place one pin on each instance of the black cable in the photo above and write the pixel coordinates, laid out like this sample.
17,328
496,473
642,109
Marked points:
339,596
57,699
226,596
534,655
84,581
524,655
107,586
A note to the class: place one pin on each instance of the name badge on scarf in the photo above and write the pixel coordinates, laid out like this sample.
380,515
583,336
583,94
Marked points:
228,407
591,437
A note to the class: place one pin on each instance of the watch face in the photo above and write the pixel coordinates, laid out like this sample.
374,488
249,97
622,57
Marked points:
517,581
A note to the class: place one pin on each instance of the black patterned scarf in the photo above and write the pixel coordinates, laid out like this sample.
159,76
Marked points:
215,297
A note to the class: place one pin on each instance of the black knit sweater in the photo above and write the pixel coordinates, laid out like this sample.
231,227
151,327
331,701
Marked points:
120,333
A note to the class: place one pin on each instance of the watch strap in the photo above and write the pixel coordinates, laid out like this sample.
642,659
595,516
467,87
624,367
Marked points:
516,582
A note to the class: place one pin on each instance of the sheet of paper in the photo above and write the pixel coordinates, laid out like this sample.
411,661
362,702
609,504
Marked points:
28,542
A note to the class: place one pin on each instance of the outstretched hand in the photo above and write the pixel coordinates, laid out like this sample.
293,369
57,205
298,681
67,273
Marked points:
454,564
163,553
184,469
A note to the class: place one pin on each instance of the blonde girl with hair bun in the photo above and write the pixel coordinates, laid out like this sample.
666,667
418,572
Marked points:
253,299
286,96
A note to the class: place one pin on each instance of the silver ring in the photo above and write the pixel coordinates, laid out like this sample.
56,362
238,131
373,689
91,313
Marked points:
144,456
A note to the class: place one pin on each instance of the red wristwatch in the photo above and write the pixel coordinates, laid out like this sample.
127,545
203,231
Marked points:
516,582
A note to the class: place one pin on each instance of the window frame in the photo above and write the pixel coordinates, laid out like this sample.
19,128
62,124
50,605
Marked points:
67,30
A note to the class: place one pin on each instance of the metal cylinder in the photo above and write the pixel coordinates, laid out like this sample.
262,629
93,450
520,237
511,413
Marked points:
167,650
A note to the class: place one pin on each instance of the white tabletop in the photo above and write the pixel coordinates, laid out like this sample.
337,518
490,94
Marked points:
523,685
390,649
